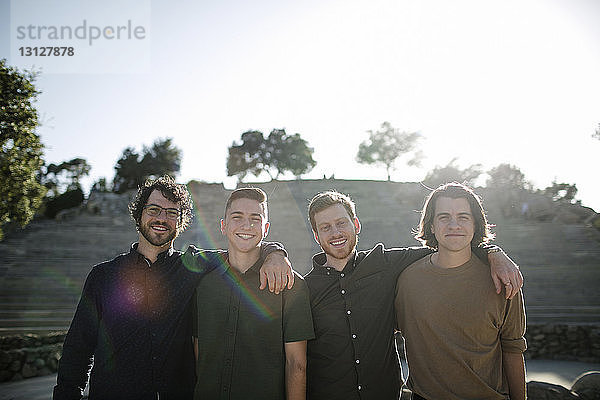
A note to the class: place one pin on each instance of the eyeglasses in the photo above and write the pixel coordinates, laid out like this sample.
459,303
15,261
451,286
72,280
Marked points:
155,210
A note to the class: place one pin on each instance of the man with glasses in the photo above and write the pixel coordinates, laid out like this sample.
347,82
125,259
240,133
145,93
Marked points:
133,321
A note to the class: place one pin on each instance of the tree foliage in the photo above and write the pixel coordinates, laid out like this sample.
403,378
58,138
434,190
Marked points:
132,169
388,144
65,176
561,191
452,173
506,176
275,155
20,148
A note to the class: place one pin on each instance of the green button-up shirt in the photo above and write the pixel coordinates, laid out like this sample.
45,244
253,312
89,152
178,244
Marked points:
241,333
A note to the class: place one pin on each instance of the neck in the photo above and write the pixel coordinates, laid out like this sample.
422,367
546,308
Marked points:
151,251
451,259
338,263
242,261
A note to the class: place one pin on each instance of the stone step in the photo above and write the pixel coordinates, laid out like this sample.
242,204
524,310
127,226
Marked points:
34,322
33,314
5,331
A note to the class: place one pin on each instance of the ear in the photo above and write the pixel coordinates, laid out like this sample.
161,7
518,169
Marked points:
316,236
267,225
356,225
222,226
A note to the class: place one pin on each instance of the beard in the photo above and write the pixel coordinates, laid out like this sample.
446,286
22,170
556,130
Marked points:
155,239
343,252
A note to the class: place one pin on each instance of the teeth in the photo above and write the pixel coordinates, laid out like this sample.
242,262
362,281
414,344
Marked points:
159,228
338,242
244,236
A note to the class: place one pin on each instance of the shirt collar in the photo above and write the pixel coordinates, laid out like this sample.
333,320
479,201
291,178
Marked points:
320,259
161,256
224,265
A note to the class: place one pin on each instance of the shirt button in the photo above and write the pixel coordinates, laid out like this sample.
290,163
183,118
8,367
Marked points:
348,312
353,336
342,274
343,291
358,361
359,387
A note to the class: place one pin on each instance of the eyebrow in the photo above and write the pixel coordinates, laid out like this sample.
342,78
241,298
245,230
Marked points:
251,214
447,213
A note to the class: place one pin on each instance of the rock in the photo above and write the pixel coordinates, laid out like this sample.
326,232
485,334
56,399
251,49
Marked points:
547,391
39,363
28,371
587,386
4,357
5,376
44,371
15,366
16,377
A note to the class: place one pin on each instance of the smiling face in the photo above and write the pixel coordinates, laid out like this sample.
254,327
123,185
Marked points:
336,231
245,225
159,230
453,224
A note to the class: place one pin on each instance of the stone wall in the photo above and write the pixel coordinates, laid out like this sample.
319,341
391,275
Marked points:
563,342
25,356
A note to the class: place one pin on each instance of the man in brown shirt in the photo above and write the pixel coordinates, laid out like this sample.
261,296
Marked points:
462,339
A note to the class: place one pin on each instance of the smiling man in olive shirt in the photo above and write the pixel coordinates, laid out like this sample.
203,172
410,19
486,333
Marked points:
251,344
352,293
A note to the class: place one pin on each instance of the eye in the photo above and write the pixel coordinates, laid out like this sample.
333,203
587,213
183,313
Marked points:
172,213
153,211
326,228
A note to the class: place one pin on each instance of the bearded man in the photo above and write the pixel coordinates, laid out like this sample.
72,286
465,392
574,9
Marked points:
352,293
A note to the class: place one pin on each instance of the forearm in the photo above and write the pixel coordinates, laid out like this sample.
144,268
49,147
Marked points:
295,370
295,381
514,369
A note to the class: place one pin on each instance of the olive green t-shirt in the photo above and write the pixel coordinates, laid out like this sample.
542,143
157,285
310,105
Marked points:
241,333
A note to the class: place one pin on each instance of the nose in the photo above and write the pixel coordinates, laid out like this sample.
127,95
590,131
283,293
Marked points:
453,223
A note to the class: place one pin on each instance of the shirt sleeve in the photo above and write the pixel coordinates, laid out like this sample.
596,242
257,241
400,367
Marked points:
512,334
399,258
202,261
297,316
80,342
267,248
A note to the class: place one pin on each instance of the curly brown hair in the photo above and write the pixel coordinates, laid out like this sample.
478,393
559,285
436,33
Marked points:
175,192
453,190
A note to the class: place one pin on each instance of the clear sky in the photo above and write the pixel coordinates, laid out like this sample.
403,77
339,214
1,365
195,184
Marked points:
489,82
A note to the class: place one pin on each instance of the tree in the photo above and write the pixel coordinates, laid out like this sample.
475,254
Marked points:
451,172
561,191
132,169
275,155
388,144
506,176
20,148
162,158
65,176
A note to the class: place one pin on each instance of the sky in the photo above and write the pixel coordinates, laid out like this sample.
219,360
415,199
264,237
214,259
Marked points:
484,82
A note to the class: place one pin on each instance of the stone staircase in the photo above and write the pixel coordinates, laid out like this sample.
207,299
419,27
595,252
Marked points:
43,267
